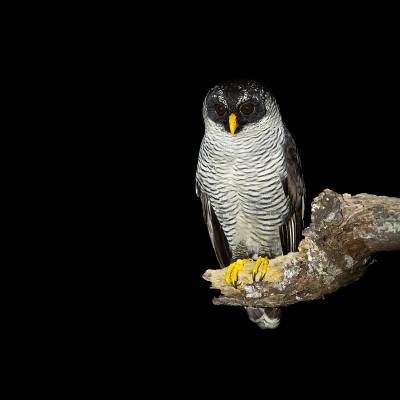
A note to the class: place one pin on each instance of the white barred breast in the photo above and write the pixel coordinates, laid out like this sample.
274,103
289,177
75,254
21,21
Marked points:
242,176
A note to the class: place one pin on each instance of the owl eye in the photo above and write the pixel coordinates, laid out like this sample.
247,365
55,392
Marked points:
220,109
247,108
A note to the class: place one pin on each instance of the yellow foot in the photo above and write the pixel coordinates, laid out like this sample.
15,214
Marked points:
261,264
232,272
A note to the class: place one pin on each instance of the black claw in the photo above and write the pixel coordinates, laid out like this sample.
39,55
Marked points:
255,275
236,284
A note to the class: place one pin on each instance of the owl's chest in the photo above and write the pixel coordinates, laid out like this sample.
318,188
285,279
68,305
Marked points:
244,175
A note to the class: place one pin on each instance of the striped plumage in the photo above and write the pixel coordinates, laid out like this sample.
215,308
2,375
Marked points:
250,183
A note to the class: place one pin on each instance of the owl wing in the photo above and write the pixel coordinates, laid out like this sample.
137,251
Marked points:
217,235
293,186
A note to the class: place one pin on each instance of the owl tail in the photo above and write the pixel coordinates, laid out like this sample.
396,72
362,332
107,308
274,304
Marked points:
265,318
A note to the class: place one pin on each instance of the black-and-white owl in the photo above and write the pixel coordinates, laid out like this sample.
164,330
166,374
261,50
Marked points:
250,182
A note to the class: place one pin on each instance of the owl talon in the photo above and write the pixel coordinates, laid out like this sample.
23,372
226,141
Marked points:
261,263
232,272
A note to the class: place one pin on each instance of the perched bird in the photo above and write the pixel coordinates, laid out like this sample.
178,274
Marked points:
250,183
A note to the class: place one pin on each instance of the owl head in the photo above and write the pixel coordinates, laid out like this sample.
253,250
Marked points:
237,105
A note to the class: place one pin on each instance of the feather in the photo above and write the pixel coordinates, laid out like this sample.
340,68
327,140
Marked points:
217,236
294,189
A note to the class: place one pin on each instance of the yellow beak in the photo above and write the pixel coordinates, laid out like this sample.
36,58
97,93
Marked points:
233,123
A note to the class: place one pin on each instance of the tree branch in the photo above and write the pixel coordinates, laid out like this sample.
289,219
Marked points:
344,232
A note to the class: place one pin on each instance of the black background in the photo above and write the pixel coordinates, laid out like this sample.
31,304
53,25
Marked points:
135,299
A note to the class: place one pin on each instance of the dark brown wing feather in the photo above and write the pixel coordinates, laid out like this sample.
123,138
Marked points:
217,235
293,186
